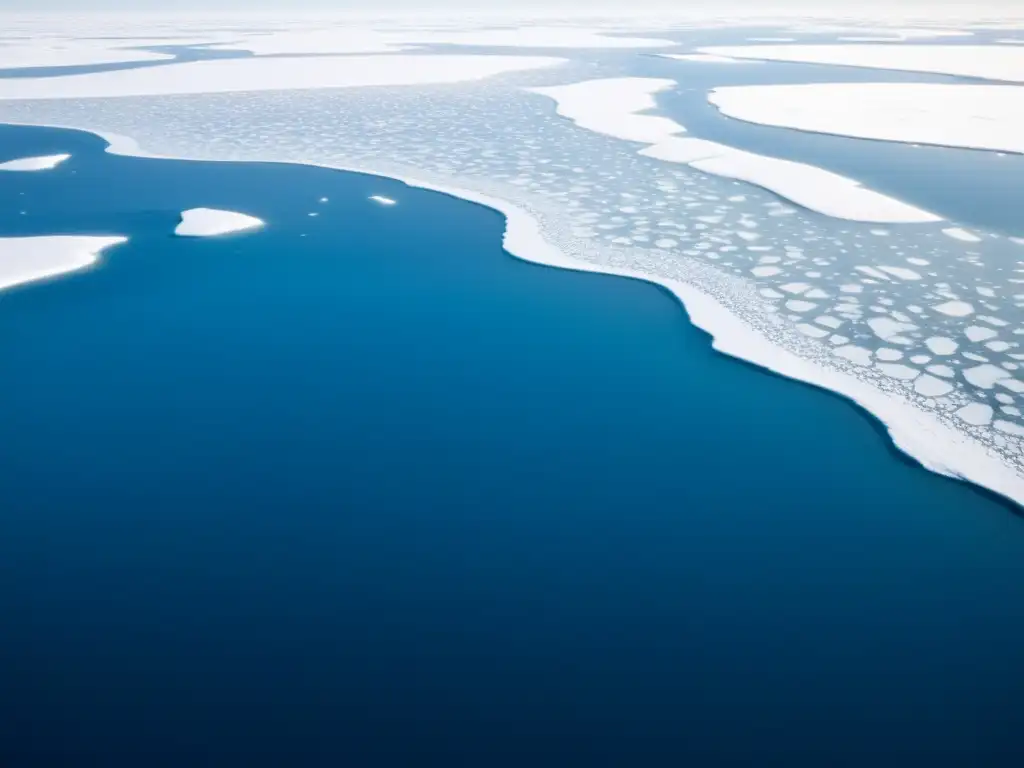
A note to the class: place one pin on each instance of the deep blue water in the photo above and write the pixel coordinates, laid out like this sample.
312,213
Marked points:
382,495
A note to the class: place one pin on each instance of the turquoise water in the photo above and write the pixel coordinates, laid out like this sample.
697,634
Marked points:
362,489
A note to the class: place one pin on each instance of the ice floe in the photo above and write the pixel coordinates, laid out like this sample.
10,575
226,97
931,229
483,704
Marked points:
364,38
382,200
611,106
268,74
40,163
26,259
991,62
208,222
972,116
61,52
702,58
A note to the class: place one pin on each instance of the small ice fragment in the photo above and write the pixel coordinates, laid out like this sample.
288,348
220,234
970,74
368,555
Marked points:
955,308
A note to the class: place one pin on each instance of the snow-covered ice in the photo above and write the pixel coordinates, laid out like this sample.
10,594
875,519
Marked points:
39,163
208,222
26,259
992,62
973,116
268,74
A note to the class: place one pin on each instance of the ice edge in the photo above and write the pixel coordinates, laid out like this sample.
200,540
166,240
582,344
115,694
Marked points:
917,433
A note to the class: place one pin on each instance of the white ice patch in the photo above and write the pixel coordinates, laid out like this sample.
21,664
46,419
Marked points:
611,106
901,272
982,61
702,58
209,222
26,259
941,345
985,376
955,308
976,333
888,329
959,233
929,386
954,115
382,200
978,414
40,163
270,74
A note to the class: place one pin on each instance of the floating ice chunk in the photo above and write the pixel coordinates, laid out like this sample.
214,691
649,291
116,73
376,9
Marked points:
26,259
901,272
208,222
800,306
1014,385
1009,427
382,200
942,370
41,163
828,322
666,242
855,354
888,354
985,376
940,345
796,288
955,308
871,272
978,414
765,271
888,329
929,386
976,333
898,371
807,185
959,233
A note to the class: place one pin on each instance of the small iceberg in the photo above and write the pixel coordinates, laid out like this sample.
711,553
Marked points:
27,259
41,163
209,222
382,200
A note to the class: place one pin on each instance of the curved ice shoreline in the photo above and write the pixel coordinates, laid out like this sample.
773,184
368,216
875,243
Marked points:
922,435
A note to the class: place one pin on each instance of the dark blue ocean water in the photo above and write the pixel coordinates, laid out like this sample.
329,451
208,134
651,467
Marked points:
361,489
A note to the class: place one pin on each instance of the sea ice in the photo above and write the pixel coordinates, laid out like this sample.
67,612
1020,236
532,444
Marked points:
955,308
208,222
983,61
26,259
978,414
271,73
40,163
972,116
